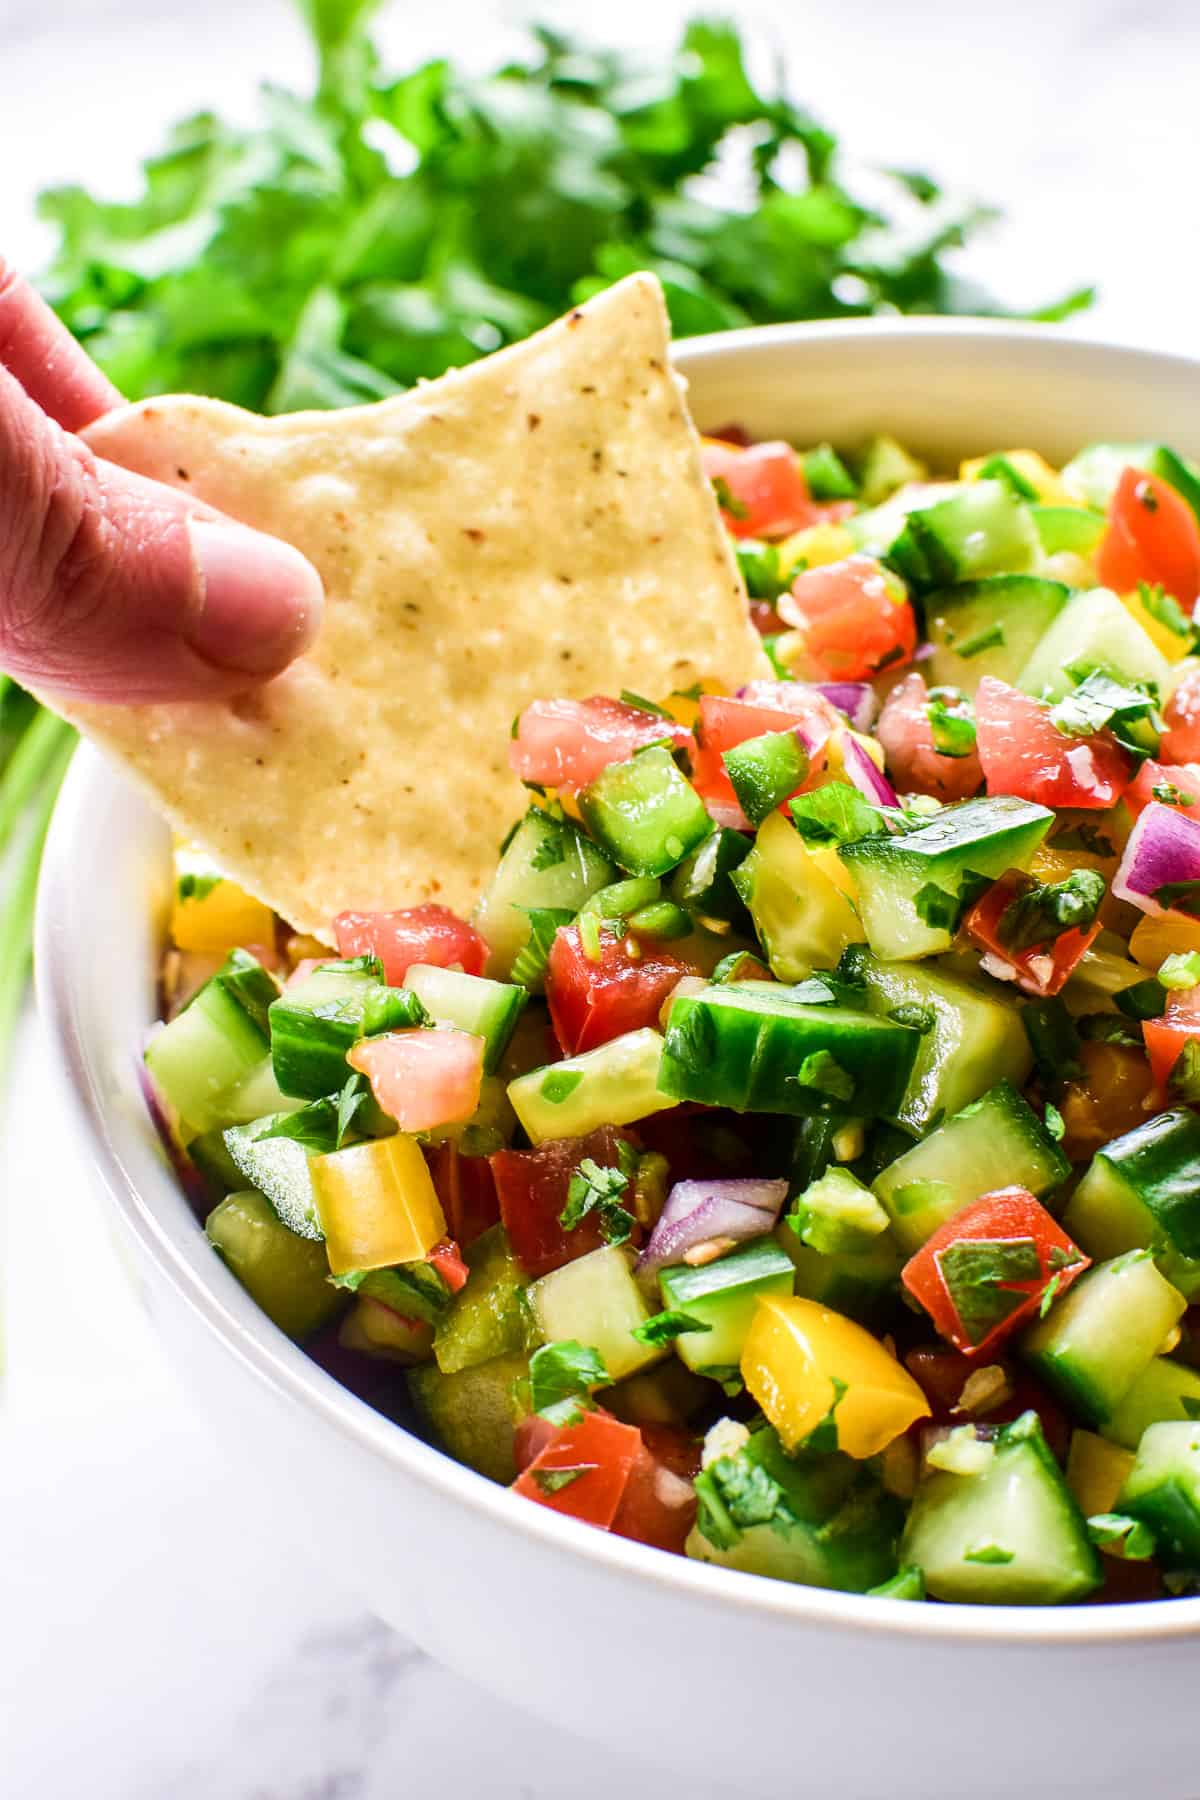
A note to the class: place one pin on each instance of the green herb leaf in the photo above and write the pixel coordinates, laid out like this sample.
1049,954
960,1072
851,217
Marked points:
553,1481
649,706
1043,911
938,909
1170,795
1129,710
951,725
1184,1079
665,1327
1179,896
529,964
990,638
736,509
835,814
988,1554
727,1376
692,1041
599,1190
191,886
917,1018
1056,1126
825,1075
565,1370
980,1275
1165,610
550,852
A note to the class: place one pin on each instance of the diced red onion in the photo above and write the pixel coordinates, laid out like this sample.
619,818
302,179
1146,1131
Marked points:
188,1175
815,718
698,1211
857,699
861,771
1164,846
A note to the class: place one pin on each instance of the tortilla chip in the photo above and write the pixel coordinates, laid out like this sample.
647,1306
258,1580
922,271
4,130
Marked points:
536,524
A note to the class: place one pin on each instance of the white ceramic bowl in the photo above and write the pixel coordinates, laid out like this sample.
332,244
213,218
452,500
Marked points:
771,1687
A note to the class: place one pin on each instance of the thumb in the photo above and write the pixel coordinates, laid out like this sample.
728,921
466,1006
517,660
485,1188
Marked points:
115,588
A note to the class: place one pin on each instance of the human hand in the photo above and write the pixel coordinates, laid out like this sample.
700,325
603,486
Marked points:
112,587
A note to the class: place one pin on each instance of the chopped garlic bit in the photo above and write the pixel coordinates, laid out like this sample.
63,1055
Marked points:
708,1251
725,1438
984,1390
1170,1341
849,1141
959,1451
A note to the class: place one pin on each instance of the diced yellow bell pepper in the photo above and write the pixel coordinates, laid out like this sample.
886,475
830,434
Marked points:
211,913
685,707
794,1353
1096,1472
377,1204
1034,468
1173,644
1154,939
815,546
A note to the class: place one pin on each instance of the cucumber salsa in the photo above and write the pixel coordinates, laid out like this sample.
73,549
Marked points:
794,1163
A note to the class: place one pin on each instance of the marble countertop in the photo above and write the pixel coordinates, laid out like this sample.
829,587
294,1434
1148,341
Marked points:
159,1638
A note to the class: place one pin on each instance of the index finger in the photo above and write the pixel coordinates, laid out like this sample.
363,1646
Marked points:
40,352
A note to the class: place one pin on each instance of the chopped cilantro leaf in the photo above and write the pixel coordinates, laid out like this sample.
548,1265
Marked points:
736,509
1170,795
643,705
1184,1079
1056,1125
980,1276
1049,1294
951,726
917,1018
727,1376
599,1190
990,638
195,886
835,814
1129,710
552,1481
665,1327
565,1370
1179,896
1165,610
529,964
825,1075
1044,910
550,852
987,1554
559,1084
692,1041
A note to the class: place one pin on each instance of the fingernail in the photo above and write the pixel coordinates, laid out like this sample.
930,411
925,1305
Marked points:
261,600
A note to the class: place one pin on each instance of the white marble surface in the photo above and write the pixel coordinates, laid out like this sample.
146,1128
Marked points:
158,1639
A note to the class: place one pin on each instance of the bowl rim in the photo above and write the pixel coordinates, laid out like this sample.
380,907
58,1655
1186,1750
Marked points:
282,1366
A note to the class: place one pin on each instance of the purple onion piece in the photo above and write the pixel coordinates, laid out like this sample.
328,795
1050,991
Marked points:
863,774
698,1211
856,699
1163,847
188,1175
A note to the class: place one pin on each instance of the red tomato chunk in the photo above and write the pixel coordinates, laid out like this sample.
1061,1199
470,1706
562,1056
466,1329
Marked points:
565,744
584,1469
591,1002
853,616
984,1273
532,1187
766,486
1042,969
1153,537
1166,1036
914,765
422,1078
1023,752
421,934
466,1189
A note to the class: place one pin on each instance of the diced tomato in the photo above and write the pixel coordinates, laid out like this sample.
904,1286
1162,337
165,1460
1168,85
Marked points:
597,1454
1166,1035
591,1002
446,1258
532,1187
1181,739
530,1438
1023,752
1153,537
1111,1097
422,1078
766,485
914,765
658,1506
854,617
421,934
1042,969
565,744
466,1189
764,706
1173,784
983,1274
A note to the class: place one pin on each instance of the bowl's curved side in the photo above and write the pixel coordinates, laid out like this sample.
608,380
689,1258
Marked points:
539,1609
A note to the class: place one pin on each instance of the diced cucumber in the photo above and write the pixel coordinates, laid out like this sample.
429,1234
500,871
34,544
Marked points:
218,1039
723,1296
372,1329
1142,1191
615,1084
596,1301
486,1009
258,1093
702,882
827,476
975,1036
278,1167
1095,1342
1008,1535
488,1317
287,1275
853,1282
804,920
316,1021
1074,528
473,1411
912,885
765,770
998,1141
752,1047
875,531
1092,476
1093,631
1096,1472
988,627
216,1167
984,529
1164,1390
1163,1489
546,863
885,466
645,814
823,1521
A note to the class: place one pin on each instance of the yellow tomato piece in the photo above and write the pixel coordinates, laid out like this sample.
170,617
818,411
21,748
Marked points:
377,1204
1155,939
1036,470
1096,1472
1173,646
797,1349
216,914
816,545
